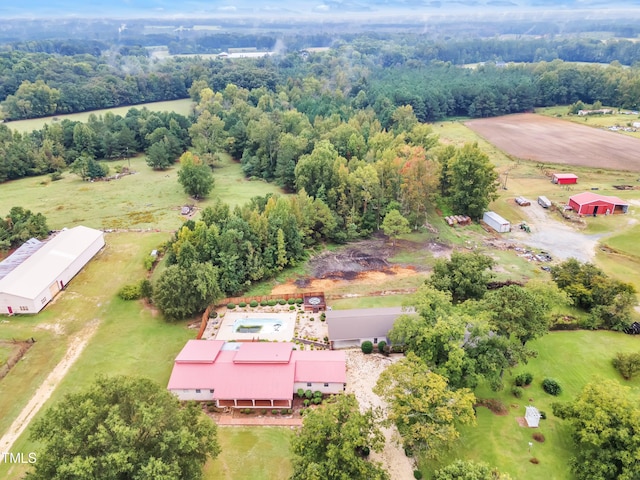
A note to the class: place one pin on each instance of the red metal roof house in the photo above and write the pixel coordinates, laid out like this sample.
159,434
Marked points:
564,178
253,375
588,203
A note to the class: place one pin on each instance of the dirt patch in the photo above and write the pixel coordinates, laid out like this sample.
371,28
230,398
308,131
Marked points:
18,349
522,422
362,374
550,140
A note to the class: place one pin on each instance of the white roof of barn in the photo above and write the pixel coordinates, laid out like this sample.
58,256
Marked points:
362,323
36,273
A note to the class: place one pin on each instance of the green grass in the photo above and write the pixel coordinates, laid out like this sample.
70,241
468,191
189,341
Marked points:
626,243
595,121
572,358
147,200
259,453
182,107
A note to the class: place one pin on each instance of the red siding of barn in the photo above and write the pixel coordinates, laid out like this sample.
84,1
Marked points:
590,208
567,181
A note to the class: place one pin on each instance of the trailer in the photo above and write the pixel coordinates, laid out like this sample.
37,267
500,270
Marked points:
544,202
523,202
496,222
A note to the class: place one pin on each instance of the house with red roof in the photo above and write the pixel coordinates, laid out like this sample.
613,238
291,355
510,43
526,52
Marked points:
564,178
253,374
588,203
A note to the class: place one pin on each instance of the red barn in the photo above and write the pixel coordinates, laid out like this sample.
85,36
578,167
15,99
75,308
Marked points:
588,203
564,178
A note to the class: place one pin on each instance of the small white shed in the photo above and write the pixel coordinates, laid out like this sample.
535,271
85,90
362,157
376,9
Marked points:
532,416
496,222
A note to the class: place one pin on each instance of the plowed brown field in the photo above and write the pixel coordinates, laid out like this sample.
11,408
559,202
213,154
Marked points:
550,140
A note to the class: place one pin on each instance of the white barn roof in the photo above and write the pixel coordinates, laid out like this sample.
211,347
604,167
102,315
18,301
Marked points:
38,271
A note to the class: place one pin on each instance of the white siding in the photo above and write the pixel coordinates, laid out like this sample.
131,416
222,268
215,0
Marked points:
192,394
496,222
17,304
84,258
331,388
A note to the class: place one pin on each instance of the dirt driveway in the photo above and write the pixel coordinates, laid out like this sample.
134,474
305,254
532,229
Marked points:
560,239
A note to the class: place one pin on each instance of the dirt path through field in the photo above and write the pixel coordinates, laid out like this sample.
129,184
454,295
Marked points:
76,346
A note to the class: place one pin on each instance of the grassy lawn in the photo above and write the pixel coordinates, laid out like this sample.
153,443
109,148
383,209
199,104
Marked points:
626,243
572,358
259,453
147,200
182,107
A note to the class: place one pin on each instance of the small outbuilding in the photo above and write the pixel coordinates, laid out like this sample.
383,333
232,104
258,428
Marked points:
496,222
588,203
564,178
532,416
544,202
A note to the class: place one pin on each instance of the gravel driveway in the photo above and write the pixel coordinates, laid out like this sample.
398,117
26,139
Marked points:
560,239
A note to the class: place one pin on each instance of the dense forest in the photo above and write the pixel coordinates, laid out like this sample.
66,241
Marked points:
41,78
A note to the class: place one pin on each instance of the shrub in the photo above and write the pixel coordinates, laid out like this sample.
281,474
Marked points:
524,379
289,411
274,411
299,301
538,437
253,303
242,304
627,364
517,391
381,345
551,386
543,415
317,393
367,347
323,316
316,400
264,411
55,176
148,262
292,307
300,392
291,301
264,303
282,301
231,306
130,292
146,289
306,402
417,474
272,303
308,394
283,411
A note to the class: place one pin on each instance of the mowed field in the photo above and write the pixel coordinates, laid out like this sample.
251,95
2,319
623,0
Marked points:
182,107
543,139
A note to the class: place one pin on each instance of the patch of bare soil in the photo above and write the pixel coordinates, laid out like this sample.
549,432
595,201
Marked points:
362,374
550,140
18,349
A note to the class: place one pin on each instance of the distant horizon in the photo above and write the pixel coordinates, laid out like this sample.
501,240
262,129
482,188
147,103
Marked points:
333,11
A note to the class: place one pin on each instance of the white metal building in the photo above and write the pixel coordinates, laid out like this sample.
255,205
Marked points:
30,283
532,416
496,222
350,328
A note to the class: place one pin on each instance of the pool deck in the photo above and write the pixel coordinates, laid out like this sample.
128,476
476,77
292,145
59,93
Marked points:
284,334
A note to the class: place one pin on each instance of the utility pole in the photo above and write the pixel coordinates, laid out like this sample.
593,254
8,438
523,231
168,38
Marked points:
128,159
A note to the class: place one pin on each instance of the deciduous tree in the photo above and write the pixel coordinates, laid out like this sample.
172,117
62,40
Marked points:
605,427
465,275
334,441
394,225
195,177
466,470
423,407
123,428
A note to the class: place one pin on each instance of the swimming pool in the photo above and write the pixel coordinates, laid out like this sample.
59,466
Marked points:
257,325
